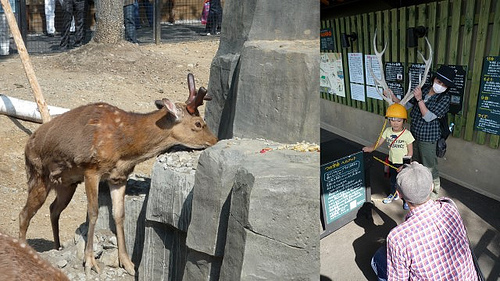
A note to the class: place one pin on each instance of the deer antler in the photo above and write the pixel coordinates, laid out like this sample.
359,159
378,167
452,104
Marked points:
195,99
380,82
409,95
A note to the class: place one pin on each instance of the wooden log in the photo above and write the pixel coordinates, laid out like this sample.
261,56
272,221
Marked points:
28,68
26,110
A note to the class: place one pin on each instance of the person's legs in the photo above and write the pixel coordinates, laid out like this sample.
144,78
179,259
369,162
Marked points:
4,35
137,18
392,180
79,22
218,25
128,17
379,263
149,12
428,158
50,7
67,7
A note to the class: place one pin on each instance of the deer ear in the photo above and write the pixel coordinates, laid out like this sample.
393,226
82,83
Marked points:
171,107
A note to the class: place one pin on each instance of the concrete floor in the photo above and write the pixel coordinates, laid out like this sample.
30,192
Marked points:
346,253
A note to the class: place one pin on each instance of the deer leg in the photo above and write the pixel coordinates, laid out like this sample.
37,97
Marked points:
118,198
63,197
91,188
37,195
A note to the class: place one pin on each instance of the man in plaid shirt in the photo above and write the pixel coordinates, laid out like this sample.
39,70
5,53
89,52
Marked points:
432,243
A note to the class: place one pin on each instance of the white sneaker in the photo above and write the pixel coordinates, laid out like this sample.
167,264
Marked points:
388,199
396,197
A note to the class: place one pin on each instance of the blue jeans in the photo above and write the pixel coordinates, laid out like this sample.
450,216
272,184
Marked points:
129,21
392,175
379,263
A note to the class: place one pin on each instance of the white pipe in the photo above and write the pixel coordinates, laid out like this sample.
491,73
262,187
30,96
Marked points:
26,110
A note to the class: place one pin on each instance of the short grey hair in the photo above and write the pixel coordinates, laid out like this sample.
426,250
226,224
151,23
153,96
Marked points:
414,181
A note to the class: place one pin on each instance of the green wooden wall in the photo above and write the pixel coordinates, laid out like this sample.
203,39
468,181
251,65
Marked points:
461,32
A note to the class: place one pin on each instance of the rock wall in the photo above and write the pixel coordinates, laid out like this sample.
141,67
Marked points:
266,72
247,213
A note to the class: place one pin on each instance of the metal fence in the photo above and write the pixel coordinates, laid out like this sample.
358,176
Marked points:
179,20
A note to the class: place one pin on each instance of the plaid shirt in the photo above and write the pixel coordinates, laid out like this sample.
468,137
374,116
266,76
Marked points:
421,129
431,244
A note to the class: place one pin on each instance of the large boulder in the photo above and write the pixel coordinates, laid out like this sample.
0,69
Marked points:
254,208
266,72
167,216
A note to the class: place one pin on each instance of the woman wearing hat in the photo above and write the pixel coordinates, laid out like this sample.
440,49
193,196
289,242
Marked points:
430,104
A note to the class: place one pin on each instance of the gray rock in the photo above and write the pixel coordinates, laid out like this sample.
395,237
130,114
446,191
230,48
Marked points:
61,263
168,215
253,208
265,72
271,235
110,258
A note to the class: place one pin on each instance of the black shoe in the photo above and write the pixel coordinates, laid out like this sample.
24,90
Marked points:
50,34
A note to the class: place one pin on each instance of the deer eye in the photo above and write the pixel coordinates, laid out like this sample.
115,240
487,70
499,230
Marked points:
198,124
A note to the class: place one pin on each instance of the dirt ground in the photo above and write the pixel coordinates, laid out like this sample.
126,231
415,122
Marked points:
127,75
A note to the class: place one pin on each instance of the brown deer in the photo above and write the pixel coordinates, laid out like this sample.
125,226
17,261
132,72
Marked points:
100,142
18,261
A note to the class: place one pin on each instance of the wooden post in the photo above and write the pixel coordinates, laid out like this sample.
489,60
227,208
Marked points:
28,68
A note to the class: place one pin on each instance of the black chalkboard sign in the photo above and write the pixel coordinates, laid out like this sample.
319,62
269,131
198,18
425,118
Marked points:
394,76
327,42
457,92
343,190
415,72
488,105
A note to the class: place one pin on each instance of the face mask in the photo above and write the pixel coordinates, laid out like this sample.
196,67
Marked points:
438,89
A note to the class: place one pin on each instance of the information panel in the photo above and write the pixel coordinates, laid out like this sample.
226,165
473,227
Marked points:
416,71
327,42
343,188
457,92
394,76
488,105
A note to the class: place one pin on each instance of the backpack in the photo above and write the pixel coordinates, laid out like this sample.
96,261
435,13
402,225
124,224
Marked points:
445,132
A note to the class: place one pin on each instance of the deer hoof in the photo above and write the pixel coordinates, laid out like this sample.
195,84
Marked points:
129,267
91,265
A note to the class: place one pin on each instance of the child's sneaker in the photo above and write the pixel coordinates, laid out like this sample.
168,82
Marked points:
405,206
389,199
396,196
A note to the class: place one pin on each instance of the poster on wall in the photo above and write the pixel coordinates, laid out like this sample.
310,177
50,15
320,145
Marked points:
371,92
356,73
327,42
488,104
372,66
358,92
331,74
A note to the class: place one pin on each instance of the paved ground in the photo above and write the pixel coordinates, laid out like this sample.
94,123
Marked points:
346,253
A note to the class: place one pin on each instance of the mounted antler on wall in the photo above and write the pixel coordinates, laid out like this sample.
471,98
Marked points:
422,78
381,83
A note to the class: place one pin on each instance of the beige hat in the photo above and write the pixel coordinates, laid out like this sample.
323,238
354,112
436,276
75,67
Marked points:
414,182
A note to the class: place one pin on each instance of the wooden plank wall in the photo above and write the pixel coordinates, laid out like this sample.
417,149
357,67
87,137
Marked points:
461,32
